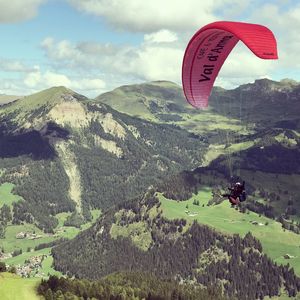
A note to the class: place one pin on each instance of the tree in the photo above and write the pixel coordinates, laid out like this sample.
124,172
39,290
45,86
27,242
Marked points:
12,269
17,252
5,214
2,266
196,202
49,295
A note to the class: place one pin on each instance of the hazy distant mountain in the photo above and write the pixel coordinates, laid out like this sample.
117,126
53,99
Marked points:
266,102
157,100
263,101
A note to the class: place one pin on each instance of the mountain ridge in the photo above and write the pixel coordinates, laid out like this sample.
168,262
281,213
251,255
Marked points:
61,133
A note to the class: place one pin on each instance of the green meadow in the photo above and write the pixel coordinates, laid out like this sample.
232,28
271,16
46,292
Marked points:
20,259
275,240
10,243
6,195
13,287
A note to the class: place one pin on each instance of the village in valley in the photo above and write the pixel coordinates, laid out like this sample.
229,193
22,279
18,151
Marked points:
32,266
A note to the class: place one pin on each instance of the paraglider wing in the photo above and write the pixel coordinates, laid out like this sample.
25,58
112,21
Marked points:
209,48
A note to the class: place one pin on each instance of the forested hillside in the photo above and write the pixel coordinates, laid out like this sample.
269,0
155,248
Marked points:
138,238
127,285
65,153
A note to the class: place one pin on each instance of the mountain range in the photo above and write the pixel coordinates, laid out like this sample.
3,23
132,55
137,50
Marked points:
154,165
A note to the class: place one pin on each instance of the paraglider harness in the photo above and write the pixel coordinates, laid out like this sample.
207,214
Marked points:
237,193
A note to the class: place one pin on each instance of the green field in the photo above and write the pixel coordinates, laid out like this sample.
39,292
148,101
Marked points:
6,196
275,240
20,259
137,231
47,268
10,243
13,287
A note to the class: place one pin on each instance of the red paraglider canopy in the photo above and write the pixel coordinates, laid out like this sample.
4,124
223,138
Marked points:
209,48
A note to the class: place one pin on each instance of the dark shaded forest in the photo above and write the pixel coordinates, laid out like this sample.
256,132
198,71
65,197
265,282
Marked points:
273,159
126,285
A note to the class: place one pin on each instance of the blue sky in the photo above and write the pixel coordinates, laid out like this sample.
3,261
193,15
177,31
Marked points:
93,46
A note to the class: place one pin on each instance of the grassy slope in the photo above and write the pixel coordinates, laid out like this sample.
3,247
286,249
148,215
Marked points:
136,231
8,98
203,122
134,99
13,287
26,255
6,196
11,243
136,108
37,100
275,241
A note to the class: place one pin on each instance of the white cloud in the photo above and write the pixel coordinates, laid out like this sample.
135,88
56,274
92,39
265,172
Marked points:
150,16
68,54
243,63
244,67
153,60
11,87
38,80
33,79
285,23
149,61
12,11
47,42
167,27
47,79
9,65
54,79
161,36
61,50
87,85
154,63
